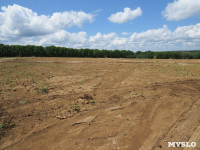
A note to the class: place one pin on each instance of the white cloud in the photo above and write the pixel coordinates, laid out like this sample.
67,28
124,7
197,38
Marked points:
152,35
102,40
125,33
63,38
183,38
182,9
19,25
17,22
107,41
165,39
126,15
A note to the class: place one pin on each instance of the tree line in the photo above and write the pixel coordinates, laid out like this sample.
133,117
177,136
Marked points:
169,54
53,51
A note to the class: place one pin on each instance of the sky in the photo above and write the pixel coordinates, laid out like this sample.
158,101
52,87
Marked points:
157,25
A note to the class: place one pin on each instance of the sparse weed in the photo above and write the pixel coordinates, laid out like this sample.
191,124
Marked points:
24,102
192,74
8,80
11,125
2,125
134,93
37,90
76,108
92,101
44,88
23,73
142,93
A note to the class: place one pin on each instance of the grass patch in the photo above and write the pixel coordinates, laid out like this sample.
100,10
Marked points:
54,115
24,102
76,107
44,88
92,101
37,90
11,125
135,93
2,125
9,80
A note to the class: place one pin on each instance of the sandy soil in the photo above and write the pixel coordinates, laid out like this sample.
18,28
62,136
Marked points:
101,104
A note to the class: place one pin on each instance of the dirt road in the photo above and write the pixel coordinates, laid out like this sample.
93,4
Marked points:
101,104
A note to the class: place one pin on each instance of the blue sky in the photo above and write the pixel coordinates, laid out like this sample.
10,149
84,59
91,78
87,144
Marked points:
107,24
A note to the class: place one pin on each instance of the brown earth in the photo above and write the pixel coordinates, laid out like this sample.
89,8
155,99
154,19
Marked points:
103,104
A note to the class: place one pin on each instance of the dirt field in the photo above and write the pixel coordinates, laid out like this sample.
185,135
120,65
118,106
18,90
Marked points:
98,104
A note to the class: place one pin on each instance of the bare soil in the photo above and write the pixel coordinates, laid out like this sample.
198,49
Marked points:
103,104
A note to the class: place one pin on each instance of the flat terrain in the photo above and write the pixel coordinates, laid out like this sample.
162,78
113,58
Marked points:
103,104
